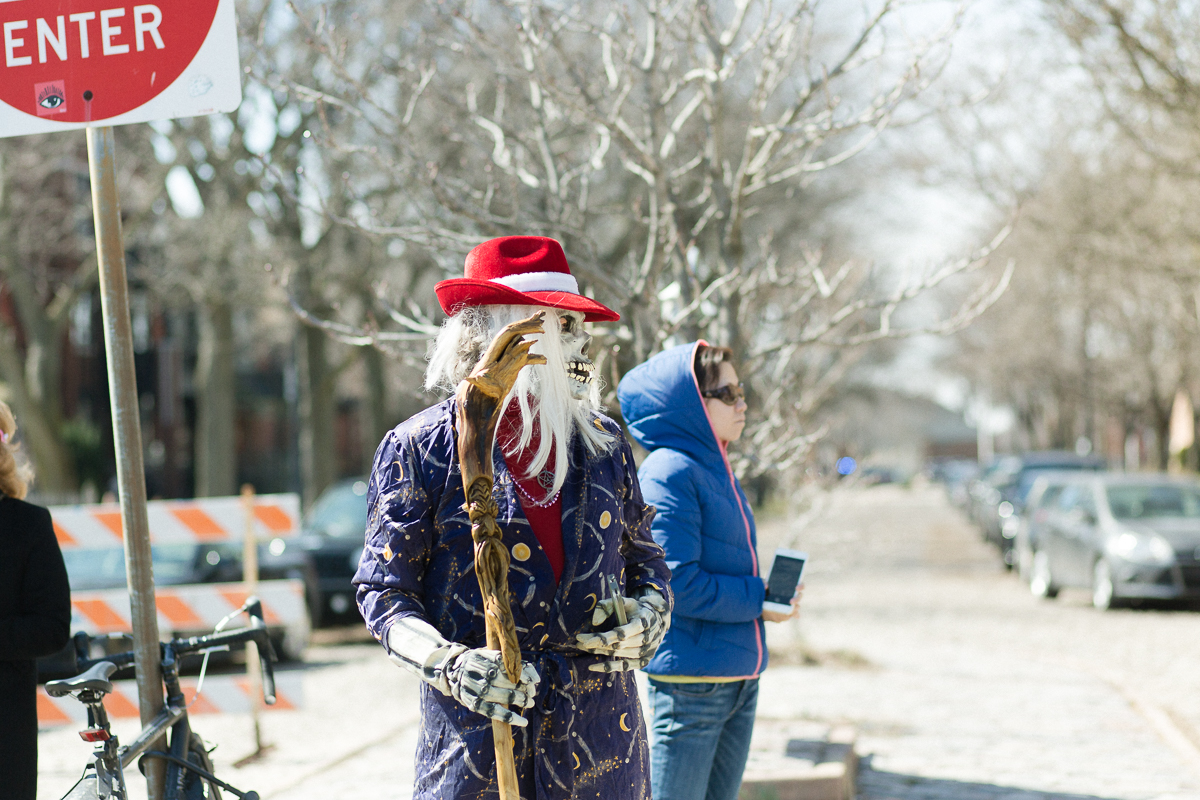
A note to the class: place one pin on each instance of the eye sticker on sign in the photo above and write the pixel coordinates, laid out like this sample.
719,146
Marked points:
51,98
118,55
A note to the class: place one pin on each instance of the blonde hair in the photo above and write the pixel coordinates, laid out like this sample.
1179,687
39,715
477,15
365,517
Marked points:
14,477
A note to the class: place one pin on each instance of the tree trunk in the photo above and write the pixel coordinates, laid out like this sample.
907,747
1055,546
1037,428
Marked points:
40,433
375,418
216,456
318,457
35,379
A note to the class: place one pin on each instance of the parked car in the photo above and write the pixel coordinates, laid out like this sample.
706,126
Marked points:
877,475
999,503
1038,506
1124,537
182,564
956,475
332,534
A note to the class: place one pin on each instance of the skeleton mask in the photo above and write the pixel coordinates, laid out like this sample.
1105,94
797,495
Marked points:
575,341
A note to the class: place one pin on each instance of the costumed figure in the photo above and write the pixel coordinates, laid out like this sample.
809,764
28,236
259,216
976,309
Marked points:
569,513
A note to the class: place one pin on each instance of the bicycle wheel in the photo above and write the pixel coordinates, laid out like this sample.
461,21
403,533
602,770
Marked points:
194,786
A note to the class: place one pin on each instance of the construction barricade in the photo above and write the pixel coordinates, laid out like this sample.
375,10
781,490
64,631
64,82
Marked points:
201,521
221,694
195,609
197,547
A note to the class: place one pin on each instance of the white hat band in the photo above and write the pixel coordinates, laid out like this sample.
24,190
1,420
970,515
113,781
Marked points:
539,282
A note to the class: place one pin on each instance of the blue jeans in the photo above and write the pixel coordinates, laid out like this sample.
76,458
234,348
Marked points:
700,738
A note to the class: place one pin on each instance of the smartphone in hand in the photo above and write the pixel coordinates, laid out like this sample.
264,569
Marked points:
787,571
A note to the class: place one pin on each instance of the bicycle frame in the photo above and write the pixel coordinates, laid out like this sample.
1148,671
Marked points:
110,759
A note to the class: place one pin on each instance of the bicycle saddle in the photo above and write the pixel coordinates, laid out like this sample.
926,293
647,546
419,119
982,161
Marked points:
95,678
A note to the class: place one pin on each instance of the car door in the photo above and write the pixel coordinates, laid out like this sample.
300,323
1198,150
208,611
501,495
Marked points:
1085,521
1050,535
1078,533
1038,514
1057,532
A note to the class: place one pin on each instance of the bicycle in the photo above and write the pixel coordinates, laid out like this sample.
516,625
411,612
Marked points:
189,771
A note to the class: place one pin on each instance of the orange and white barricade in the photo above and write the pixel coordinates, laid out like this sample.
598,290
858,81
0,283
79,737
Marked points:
221,694
196,608
203,520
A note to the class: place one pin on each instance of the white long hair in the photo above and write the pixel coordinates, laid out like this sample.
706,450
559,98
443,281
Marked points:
542,391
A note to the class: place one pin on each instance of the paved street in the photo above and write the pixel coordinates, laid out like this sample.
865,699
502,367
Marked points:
961,685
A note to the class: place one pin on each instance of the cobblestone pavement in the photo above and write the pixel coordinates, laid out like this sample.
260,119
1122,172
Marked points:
961,685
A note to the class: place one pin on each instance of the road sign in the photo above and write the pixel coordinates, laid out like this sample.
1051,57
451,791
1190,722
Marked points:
73,63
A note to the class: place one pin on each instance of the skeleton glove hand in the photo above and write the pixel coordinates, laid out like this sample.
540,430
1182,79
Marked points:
632,645
475,678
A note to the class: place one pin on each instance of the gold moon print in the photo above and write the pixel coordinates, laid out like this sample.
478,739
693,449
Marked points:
624,727
577,764
605,519
593,605
521,551
387,552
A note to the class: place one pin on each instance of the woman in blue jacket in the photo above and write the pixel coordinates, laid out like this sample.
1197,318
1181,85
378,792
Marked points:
685,405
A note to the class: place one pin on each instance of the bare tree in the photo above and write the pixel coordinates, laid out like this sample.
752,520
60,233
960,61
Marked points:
671,146
1101,324
47,267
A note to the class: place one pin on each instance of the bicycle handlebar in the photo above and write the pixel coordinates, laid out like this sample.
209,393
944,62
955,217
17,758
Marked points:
266,654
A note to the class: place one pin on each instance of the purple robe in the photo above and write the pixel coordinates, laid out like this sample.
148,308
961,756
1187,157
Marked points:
586,737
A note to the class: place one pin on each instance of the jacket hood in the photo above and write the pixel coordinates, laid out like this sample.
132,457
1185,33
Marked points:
662,406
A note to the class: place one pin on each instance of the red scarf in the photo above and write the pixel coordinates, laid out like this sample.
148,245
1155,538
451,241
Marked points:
546,521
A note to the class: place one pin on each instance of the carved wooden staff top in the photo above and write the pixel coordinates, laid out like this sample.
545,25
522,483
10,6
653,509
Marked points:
479,405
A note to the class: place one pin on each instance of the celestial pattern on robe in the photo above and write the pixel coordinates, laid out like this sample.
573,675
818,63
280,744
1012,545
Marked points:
586,737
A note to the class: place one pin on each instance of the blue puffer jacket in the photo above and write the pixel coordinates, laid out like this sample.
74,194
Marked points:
704,524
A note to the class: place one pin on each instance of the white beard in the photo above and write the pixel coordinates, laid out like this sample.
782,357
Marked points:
545,394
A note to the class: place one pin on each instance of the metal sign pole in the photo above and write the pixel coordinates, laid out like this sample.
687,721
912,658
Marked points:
127,434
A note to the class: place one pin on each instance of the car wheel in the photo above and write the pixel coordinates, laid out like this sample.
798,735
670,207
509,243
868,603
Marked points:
1041,580
1103,595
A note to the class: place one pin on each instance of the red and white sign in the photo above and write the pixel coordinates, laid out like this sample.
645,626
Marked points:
72,63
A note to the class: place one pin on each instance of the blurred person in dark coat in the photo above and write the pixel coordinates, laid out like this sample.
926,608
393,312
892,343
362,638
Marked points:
35,615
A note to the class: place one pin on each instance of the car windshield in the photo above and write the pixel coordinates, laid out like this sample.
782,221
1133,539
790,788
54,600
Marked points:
1049,496
1031,474
105,569
1141,502
341,512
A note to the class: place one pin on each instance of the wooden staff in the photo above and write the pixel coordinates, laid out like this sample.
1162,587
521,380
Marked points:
479,399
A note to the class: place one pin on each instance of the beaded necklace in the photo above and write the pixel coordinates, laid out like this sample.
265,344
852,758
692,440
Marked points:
545,479
541,482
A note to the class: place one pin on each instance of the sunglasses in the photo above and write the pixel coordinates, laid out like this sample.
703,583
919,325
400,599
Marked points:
727,394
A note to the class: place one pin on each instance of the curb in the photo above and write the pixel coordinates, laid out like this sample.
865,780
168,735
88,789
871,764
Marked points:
807,769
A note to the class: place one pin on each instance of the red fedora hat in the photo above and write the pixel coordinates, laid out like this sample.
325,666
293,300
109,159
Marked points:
522,271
